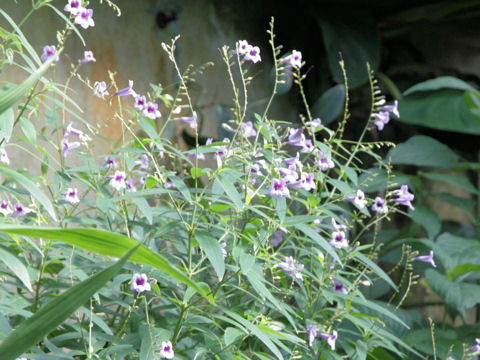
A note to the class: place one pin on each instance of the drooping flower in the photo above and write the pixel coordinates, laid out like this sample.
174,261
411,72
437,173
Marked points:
73,7
311,334
296,137
88,57
117,181
324,162
140,102
248,130
5,207
67,147
404,197
380,205
140,283
243,47
100,89
277,237
381,119
278,188
48,52
151,111
339,240
331,339
84,18
126,91
294,60
427,258
392,108
20,210
110,162
223,247
476,347
253,54
4,157
289,267
339,288
166,350
71,196
75,132
190,120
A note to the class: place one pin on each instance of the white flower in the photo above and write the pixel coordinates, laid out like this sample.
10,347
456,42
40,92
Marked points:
140,283
166,350
4,157
117,181
71,196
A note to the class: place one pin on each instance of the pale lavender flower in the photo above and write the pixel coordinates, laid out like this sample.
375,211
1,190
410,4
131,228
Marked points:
324,162
143,162
84,18
427,258
151,111
243,47
4,157
110,162
380,205
223,247
331,339
254,169
339,240
248,130
126,91
359,199
190,120
311,334
278,189
130,186
307,182
75,132
315,123
88,57
296,137
71,196
140,102
117,181
5,208
48,52
392,108
289,175
294,60
253,54
307,146
381,119
140,283
20,210
277,237
294,162
289,267
476,347
100,89
166,350
404,197
339,288
67,147
169,184
73,7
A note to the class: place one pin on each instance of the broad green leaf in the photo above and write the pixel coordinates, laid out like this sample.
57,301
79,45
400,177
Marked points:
16,266
229,188
424,151
6,125
32,188
459,181
212,249
180,185
197,172
330,104
428,219
108,244
231,335
442,82
463,269
57,311
144,207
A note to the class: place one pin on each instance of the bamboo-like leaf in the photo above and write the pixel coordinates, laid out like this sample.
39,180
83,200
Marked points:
16,266
109,244
57,311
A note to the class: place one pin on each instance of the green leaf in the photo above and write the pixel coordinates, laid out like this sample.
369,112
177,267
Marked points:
367,262
229,188
428,219
29,130
355,35
144,208
424,151
197,172
16,266
212,249
330,104
442,82
6,125
109,244
463,269
459,181
281,207
307,230
57,311
180,185
32,189
231,335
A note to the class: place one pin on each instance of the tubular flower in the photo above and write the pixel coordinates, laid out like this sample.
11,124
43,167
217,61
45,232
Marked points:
140,283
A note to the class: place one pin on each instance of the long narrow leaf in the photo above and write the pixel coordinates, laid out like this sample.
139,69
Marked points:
57,311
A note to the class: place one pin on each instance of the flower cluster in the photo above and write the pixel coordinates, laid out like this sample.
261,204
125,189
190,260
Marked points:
67,145
83,16
382,117
251,53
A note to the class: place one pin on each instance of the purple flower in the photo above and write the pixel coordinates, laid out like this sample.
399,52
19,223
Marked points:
404,197
100,89
73,7
75,132
4,157
380,205
294,162
5,207
311,333
427,258
151,111
294,60
169,184
315,123
381,119
307,182
278,189
20,210
324,162
290,175
392,108
277,237
166,350
254,169
289,267
359,199
307,146
476,347
88,57
130,186
190,120
48,52
339,288
143,162
253,54
339,240
117,181
67,147
243,47
140,102
331,339
110,162
71,196
140,283
223,247
127,91
84,18
296,137
248,130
